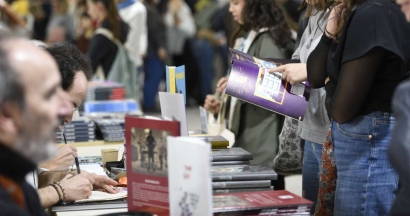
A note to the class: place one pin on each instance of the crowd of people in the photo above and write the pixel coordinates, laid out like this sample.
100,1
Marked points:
355,55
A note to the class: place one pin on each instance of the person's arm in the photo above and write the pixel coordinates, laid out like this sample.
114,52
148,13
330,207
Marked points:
187,23
399,149
12,17
143,43
317,63
48,196
345,98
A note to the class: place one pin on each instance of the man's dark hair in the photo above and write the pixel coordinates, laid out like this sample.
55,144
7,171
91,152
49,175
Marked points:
70,61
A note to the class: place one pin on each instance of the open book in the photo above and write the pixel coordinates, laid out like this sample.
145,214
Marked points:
104,196
250,82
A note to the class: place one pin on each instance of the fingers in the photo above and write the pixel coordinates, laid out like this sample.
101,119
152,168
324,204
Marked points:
73,148
68,176
277,69
110,189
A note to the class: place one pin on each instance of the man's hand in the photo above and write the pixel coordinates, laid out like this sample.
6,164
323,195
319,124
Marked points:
63,160
103,182
77,187
221,85
162,54
212,104
292,73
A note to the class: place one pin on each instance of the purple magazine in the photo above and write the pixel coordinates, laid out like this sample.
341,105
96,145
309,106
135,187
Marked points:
269,91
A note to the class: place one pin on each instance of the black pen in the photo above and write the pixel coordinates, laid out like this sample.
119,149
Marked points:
76,159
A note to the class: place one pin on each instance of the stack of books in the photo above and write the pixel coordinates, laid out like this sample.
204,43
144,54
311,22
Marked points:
111,130
79,130
230,156
107,90
239,178
280,202
217,142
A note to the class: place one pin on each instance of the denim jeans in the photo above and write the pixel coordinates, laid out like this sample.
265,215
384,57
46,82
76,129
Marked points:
154,70
310,171
366,180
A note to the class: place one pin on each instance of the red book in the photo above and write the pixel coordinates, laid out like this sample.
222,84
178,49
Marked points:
146,161
260,202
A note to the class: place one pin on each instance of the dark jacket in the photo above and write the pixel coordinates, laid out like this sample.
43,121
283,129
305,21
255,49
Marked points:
102,51
156,30
16,167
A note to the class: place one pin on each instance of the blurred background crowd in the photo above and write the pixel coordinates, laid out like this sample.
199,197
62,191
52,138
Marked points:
194,33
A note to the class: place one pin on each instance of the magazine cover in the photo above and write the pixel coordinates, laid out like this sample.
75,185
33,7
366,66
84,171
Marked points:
231,154
281,200
243,173
249,82
146,160
190,177
176,80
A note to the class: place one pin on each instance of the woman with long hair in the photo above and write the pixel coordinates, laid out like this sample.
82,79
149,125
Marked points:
361,58
265,34
103,50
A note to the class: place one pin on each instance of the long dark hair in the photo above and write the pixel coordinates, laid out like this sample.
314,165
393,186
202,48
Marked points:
113,16
258,14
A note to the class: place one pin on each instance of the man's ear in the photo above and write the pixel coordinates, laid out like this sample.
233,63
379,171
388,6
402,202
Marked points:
10,119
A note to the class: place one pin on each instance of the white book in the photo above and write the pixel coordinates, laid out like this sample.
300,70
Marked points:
189,176
173,107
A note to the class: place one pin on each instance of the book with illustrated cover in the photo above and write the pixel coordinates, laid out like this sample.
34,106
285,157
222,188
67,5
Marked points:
259,202
241,184
146,163
189,177
231,154
249,82
176,80
243,173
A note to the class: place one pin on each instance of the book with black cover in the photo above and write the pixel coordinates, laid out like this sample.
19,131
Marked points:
224,163
243,173
258,202
241,184
231,154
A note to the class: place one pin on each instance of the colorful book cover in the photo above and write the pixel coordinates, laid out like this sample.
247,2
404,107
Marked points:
147,164
243,173
246,203
249,82
176,80
190,190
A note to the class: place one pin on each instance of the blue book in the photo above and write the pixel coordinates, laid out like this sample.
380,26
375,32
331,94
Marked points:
176,80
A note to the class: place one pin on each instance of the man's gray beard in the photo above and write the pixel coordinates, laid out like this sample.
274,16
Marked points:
33,145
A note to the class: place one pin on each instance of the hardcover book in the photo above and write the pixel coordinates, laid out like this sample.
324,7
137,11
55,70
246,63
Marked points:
176,80
259,202
231,154
250,82
240,190
241,184
146,161
189,177
223,163
216,141
243,173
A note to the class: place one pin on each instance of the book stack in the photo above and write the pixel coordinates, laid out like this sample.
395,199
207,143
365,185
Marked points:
230,156
102,91
111,130
280,202
79,130
238,178
217,142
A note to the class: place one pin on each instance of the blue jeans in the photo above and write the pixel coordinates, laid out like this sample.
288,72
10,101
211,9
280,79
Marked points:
310,171
204,53
154,70
365,179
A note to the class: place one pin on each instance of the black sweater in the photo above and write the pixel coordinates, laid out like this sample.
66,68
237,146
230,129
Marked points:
16,167
102,51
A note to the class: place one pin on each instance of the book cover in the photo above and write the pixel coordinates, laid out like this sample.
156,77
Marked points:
259,200
241,184
147,168
249,82
243,173
176,80
190,190
173,107
231,154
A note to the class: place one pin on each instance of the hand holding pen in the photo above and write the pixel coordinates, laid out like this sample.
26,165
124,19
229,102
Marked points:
77,164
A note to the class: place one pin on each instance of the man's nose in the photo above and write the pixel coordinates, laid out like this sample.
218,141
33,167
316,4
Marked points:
65,110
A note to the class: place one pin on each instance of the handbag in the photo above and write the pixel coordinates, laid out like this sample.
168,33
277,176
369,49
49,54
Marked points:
290,152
